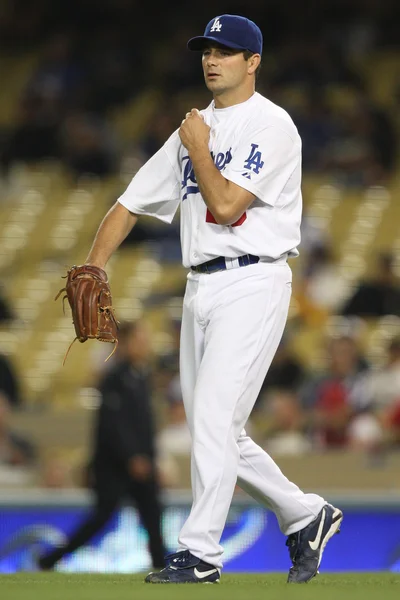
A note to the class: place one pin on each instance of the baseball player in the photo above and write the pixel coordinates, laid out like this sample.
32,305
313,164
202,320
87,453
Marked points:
234,169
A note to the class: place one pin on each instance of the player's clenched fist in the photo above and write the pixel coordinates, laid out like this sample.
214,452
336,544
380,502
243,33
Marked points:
194,132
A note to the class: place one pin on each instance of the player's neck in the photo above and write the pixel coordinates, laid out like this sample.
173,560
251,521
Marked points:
232,97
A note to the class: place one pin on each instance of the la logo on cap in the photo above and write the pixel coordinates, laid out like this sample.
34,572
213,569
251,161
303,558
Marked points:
216,25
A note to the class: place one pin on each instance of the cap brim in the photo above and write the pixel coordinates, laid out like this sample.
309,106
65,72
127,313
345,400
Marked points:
197,43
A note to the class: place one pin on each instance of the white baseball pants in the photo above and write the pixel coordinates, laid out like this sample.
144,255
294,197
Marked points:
232,324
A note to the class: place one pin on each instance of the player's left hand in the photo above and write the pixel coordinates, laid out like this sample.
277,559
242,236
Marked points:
194,132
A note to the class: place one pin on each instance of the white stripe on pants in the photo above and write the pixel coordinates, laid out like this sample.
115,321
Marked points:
232,324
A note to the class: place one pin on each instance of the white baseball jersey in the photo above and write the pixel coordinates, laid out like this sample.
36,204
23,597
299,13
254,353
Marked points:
254,144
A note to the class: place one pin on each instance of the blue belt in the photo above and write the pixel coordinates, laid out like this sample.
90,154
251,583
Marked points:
220,263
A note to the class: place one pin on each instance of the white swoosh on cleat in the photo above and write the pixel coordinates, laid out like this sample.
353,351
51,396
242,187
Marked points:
314,545
204,574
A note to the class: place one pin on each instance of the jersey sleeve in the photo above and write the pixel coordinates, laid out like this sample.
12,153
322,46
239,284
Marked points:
264,162
155,189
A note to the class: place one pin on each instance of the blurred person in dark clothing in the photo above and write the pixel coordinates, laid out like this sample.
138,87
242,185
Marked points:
383,137
16,450
378,296
111,60
54,86
123,464
60,76
34,136
317,127
285,374
168,362
159,129
309,60
9,382
363,152
175,70
88,145
6,312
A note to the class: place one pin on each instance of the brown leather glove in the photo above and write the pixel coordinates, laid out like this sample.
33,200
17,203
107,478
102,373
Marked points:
89,297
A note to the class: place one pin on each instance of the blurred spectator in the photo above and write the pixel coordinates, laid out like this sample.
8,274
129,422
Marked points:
167,366
390,420
59,78
33,137
311,61
313,232
56,85
322,282
335,398
166,370
378,296
174,437
286,425
383,137
380,428
9,382
88,145
21,24
175,69
162,124
365,432
123,465
317,127
384,384
363,153
285,374
113,76
17,452
56,472
6,312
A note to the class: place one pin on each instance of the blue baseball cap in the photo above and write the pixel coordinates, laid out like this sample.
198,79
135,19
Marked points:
232,31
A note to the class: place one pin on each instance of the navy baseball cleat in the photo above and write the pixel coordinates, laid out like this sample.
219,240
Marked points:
307,545
183,567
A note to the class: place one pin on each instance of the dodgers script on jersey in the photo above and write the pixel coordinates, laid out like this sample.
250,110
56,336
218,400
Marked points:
255,145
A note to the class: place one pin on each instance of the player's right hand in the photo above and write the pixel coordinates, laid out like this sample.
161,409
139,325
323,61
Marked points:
194,132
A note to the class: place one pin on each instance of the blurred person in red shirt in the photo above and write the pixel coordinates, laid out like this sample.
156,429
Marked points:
340,394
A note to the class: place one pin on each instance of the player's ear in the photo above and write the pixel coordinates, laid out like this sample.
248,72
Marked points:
253,63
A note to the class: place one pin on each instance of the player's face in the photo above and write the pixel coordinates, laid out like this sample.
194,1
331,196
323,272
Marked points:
224,69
